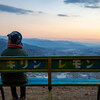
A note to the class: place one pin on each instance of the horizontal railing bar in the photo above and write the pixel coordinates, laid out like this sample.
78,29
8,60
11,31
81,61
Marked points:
52,57
61,70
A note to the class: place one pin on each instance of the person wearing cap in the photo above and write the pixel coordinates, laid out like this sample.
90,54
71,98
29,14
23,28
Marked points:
15,49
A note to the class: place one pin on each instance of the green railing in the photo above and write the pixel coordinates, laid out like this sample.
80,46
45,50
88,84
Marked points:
55,64
51,64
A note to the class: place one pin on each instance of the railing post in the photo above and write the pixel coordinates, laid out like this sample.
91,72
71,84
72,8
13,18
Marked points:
98,94
2,93
49,78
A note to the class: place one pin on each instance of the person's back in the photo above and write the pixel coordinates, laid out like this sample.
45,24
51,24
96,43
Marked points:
14,77
14,49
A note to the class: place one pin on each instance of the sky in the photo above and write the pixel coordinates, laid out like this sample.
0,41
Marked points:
77,20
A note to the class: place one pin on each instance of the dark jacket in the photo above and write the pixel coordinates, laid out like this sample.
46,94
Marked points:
15,77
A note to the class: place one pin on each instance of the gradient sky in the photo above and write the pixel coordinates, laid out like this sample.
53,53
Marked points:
77,20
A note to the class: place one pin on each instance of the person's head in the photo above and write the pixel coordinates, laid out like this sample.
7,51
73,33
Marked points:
14,37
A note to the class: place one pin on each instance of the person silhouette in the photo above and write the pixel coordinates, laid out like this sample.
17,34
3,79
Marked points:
15,49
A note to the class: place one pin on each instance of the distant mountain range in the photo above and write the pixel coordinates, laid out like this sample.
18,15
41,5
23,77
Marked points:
32,50
38,42
40,47
53,44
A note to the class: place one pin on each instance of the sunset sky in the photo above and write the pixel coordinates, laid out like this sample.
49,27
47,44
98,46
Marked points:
77,20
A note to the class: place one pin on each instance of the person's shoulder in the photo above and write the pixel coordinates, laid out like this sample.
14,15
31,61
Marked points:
4,52
24,52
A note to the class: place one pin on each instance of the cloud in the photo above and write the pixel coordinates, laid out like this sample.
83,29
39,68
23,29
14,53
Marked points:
92,6
74,1
40,12
10,9
87,3
82,1
62,15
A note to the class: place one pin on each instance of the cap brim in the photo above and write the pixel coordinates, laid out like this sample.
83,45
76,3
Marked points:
8,35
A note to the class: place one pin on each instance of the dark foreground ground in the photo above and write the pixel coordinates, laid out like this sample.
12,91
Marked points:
58,93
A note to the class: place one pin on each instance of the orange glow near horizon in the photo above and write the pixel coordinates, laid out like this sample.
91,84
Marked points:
81,24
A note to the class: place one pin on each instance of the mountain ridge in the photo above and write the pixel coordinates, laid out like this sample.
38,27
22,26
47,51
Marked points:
38,47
